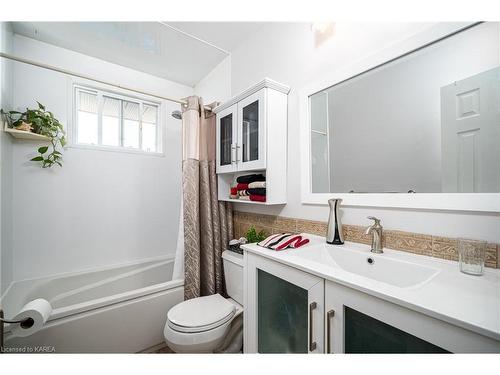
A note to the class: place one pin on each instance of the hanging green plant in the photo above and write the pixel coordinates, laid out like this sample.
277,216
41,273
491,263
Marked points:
40,121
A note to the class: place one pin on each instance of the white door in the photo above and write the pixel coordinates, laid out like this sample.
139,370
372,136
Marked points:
470,115
227,137
251,150
283,308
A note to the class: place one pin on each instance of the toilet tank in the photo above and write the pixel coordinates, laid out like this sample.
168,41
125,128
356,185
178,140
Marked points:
233,275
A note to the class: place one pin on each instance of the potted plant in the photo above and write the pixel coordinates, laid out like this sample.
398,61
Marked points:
253,236
40,121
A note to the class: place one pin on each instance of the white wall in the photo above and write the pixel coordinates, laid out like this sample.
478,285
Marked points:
101,207
285,52
6,254
216,86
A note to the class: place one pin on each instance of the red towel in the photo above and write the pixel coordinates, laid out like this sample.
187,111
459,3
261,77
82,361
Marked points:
242,186
234,191
283,240
257,198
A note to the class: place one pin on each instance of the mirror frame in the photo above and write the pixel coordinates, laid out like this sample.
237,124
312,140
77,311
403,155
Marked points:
479,202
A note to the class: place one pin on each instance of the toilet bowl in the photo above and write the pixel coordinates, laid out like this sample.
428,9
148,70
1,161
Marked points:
199,325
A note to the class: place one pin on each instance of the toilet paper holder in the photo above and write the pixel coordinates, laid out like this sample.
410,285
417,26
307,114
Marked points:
25,323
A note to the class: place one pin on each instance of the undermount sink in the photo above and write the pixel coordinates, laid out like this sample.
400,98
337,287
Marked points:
379,267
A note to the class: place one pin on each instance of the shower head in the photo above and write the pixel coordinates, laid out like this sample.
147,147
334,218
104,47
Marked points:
177,115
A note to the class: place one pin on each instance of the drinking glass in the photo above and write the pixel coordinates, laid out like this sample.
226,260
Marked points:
471,255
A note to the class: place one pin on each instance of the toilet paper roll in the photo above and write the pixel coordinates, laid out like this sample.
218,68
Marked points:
38,311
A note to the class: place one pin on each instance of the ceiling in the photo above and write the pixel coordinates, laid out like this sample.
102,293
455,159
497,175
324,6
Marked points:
150,47
226,35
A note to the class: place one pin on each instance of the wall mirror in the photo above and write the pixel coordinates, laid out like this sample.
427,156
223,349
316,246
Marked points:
425,123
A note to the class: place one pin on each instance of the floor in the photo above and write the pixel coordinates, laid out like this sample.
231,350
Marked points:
158,349
163,350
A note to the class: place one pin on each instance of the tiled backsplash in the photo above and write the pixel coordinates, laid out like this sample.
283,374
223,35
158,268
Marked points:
423,244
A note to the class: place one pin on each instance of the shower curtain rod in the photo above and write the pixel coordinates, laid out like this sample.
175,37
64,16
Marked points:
68,72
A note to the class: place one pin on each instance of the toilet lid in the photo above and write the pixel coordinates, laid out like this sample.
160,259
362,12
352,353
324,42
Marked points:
200,314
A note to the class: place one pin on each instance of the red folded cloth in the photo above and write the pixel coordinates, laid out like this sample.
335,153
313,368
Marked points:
283,240
257,198
234,191
242,186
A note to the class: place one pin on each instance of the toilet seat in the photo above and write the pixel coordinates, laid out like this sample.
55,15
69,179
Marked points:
201,314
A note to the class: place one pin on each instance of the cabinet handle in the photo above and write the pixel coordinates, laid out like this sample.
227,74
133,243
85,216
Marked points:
312,343
329,315
236,158
233,153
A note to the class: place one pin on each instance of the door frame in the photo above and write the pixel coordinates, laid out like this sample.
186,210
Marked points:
313,284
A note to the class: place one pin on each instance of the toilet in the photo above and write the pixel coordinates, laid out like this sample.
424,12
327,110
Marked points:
199,325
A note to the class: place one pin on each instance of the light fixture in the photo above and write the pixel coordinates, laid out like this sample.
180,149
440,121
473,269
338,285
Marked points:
321,27
322,31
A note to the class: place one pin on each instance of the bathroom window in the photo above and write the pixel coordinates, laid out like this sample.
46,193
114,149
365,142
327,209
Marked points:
109,121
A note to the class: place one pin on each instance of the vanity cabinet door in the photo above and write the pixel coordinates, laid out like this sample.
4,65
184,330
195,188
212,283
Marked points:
364,334
285,309
227,138
357,322
251,147
361,327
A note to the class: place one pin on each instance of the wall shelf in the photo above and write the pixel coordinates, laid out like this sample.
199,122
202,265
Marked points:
21,134
251,202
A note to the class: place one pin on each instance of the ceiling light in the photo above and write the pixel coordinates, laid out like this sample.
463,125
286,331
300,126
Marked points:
321,27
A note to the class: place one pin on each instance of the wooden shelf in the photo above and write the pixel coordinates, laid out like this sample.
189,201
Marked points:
21,134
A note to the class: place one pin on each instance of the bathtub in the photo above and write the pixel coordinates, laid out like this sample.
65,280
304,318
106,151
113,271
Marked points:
120,309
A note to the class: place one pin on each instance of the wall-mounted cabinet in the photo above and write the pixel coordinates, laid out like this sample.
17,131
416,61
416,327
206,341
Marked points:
252,137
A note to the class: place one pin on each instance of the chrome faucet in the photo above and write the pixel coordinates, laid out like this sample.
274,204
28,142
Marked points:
334,233
376,231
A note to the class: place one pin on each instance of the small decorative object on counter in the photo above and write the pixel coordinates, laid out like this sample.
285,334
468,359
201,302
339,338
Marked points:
234,245
471,255
252,236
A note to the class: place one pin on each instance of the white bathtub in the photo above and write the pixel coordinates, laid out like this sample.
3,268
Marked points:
119,309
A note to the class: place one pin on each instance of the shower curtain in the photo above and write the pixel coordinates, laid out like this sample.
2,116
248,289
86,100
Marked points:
208,223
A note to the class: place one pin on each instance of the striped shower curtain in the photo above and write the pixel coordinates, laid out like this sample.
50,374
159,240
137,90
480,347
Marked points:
208,223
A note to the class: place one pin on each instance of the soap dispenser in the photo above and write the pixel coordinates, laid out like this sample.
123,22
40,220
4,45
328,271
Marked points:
334,233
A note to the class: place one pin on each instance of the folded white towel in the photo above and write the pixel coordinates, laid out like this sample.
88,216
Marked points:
257,184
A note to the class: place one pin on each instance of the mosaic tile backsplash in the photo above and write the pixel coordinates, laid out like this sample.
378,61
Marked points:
423,244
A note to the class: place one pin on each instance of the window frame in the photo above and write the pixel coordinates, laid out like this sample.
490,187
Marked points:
122,95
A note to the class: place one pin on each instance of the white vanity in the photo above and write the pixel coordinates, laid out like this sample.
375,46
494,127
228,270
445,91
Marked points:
324,298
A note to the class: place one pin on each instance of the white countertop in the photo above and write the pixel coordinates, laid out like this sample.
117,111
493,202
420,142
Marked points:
471,302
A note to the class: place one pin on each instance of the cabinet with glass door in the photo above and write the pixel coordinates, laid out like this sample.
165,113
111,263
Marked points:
251,137
285,309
